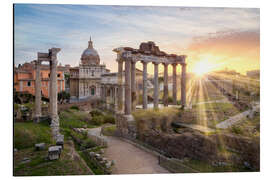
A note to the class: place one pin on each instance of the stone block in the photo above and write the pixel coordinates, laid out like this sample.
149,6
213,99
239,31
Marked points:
91,154
40,146
60,140
54,152
108,165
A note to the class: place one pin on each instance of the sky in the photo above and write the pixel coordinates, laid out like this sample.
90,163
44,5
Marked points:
218,37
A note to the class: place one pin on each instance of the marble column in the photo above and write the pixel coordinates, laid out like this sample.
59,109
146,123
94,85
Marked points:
174,84
37,92
156,86
53,94
120,83
183,85
127,87
144,85
165,89
50,91
133,84
115,98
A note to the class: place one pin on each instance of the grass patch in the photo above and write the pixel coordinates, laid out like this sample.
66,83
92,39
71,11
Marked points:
27,134
109,130
74,119
40,166
150,114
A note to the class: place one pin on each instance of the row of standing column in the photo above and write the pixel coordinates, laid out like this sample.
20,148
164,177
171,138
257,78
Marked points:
130,86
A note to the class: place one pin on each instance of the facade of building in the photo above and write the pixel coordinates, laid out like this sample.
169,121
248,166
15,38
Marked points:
25,75
86,78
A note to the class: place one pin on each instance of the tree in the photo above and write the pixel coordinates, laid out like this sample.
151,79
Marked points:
62,96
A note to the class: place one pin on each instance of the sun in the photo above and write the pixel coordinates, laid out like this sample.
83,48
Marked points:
203,67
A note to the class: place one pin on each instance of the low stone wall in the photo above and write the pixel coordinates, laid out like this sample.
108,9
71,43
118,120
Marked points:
249,149
98,160
100,141
175,165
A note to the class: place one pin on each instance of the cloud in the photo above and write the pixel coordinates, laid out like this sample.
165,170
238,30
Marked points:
39,27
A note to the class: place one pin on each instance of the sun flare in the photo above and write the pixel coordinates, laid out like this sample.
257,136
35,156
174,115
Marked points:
203,67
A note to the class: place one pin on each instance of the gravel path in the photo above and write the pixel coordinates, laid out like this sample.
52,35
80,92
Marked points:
128,158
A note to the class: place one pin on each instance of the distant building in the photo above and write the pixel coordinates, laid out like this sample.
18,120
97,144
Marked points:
24,78
253,74
85,79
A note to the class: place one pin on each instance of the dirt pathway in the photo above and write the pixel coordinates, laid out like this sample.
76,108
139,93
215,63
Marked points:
128,158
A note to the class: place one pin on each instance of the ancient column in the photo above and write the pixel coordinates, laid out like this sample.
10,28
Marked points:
183,85
133,84
165,89
53,95
115,98
50,90
120,82
127,87
144,85
156,86
174,84
37,92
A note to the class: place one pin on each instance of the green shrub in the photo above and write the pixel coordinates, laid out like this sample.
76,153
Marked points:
97,120
109,131
73,119
170,99
109,119
237,130
95,113
74,107
88,143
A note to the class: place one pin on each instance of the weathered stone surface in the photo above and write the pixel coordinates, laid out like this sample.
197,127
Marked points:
60,140
40,146
92,154
54,152
25,160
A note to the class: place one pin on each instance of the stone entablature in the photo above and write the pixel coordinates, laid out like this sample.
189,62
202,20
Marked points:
148,53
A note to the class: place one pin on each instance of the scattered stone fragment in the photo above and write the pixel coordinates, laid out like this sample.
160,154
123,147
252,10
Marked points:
97,155
54,152
60,140
108,165
92,154
25,160
247,165
102,151
40,146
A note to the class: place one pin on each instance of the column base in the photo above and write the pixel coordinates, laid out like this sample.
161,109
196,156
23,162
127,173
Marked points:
126,126
37,119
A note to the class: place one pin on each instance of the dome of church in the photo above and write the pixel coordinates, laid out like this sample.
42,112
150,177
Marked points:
90,55
88,52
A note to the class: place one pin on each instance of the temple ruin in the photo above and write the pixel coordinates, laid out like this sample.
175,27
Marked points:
50,57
